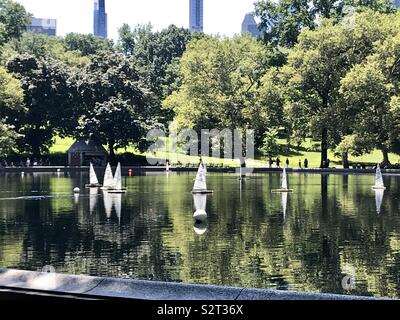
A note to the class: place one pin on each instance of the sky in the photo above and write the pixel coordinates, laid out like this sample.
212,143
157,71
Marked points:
223,17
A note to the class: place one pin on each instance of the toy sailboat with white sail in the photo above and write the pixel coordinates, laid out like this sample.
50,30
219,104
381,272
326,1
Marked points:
378,179
284,184
93,181
117,183
108,181
200,184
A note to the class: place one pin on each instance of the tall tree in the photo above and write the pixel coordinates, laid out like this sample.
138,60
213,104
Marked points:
219,83
282,21
313,73
154,52
47,97
119,107
11,98
14,19
87,44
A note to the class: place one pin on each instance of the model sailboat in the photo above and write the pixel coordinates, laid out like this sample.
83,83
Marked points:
117,183
200,184
93,181
378,179
108,181
284,184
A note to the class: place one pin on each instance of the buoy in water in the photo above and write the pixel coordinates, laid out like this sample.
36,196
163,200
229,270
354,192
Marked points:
58,170
77,190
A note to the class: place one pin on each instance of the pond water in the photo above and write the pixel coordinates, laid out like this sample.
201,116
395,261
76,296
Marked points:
330,227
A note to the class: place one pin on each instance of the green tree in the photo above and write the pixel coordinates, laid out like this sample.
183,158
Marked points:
11,98
47,97
312,80
87,44
118,106
370,89
42,46
283,21
154,52
14,19
220,79
270,146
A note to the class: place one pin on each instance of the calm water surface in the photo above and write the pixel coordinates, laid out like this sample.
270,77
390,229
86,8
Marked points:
329,227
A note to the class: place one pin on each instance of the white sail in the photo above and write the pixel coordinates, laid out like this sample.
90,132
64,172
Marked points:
284,180
378,178
378,199
93,178
200,182
108,177
117,184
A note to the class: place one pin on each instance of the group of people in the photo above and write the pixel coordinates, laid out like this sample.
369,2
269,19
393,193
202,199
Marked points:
27,163
278,163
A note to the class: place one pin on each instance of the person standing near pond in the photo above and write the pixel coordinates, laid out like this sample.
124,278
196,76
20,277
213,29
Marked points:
287,162
270,162
300,163
278,162
306,163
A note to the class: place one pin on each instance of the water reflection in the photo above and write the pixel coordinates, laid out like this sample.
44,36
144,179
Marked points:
200,226
117,203
108,203
253,238
93,195
378,199
284,199
200,204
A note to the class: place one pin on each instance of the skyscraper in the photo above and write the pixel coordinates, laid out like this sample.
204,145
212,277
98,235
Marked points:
249,25
196,15
100,19
45,26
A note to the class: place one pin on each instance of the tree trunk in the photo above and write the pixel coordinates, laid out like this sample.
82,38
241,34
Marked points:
324,148
385,154
345,160
111,150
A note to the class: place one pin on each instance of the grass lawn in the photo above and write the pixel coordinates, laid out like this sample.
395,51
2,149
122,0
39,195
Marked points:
306,150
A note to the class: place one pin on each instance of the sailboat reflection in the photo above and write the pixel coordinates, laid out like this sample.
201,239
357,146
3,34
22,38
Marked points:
93,192
107,203
117,202
200,226
378,199
76,198
284,200
200,215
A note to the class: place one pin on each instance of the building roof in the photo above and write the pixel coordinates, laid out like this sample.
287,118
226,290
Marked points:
86,146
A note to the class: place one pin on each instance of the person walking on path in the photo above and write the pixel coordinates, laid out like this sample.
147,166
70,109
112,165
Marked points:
300,163
306,163
278,162
270,162
287,162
